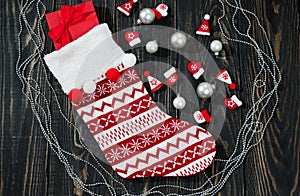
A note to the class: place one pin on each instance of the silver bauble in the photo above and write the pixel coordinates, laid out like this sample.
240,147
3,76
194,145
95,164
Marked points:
179,103
216,46
205,90
178,40
146,16
152,47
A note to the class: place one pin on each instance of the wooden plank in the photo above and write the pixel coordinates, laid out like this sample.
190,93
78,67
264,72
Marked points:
29,167
273,167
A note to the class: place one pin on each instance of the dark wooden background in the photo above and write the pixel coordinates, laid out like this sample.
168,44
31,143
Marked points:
29,167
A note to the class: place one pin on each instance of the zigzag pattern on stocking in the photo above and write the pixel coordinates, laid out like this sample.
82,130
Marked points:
159,152
185,158
108,120
101,104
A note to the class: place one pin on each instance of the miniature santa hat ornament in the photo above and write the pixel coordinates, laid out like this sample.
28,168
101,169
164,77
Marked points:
233,102
133,38
224,76
155,84
171,76
196,69
202,117
204,28
126,7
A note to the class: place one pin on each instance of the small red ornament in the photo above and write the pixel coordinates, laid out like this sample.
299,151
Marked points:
232,86
224,76
155,84
75,95
171,76
147,73
233,102
133,38
202,116
113,74
126,7
204,28
196,69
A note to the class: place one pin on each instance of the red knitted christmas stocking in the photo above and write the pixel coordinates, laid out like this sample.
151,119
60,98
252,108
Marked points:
136,137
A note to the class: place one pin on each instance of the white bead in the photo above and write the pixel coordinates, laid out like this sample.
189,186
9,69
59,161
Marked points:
89,87
216,46
152,47
179,102
178,40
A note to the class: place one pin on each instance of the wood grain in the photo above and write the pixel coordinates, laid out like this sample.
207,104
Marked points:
29,167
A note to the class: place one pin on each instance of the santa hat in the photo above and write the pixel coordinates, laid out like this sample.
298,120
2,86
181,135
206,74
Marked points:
196,69
160,11
126,7
133,38
202,117
233,102
171,76
155,84
224,76
204,28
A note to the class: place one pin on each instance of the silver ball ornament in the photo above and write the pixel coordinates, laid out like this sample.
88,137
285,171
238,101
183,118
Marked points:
216,46
146,16
178,40
205,90
179,102
152,47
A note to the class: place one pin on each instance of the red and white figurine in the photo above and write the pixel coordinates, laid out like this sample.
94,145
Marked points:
202,117
171,76
196,69
233,102
160,11
224,76
148,15
133,38
126,7
204,28
155,84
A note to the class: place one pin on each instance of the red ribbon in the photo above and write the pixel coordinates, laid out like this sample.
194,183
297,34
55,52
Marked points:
69,15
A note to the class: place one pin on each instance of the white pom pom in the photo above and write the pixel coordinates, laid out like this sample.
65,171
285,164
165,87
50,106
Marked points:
129,60
206,17
89,87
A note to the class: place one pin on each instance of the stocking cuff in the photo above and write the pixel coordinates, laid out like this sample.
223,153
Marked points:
96,49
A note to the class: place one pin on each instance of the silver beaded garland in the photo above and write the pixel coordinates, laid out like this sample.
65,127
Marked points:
205,90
